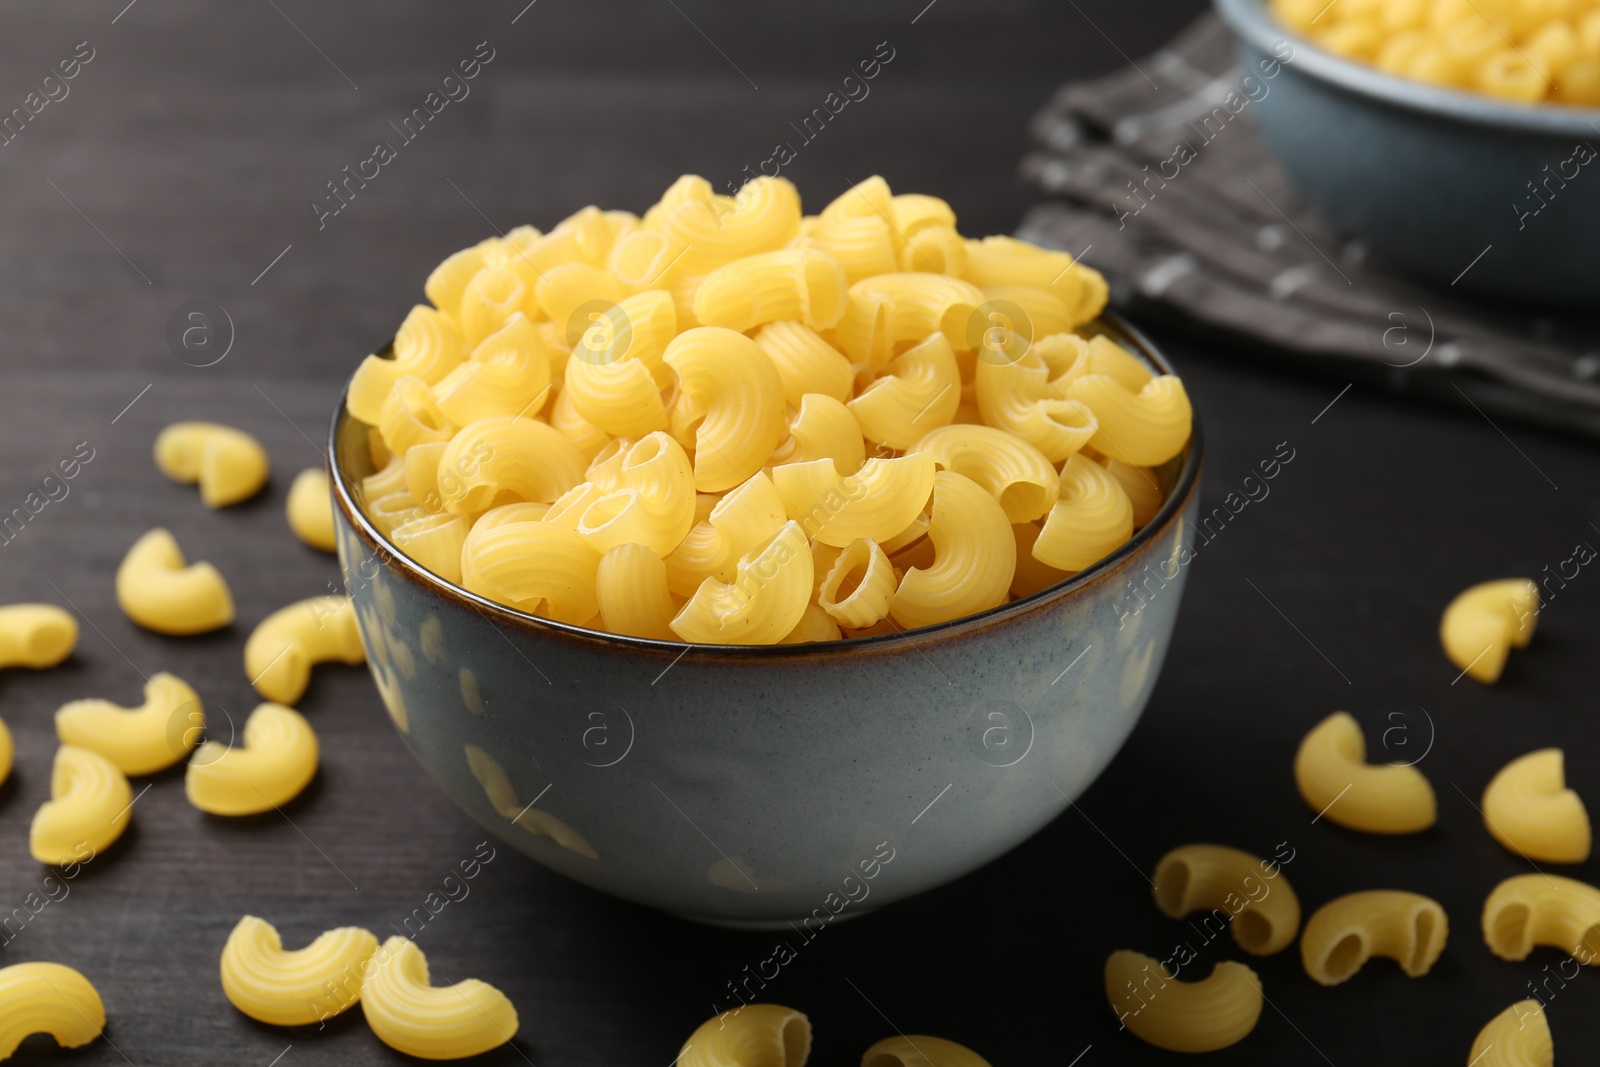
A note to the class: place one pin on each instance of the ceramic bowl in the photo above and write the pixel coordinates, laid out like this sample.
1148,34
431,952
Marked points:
1482,194
758,786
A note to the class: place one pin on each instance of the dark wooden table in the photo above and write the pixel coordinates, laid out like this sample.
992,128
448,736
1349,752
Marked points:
181,166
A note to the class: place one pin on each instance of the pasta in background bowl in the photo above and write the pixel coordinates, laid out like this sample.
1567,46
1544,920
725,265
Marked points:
764,783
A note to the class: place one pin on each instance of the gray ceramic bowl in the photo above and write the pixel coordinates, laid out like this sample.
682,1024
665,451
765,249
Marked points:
766,785
1432,177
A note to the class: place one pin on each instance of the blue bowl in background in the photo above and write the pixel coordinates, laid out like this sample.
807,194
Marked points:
1450,184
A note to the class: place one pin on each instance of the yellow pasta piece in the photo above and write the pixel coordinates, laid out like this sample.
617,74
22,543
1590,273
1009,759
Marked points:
939,249
920,1050
410,416
293,988
1517,1037
426,346
887,310
794,283
156,590
745,517
756,1035
140,740
229,464
581,434
1265,910
1008,261
1143,489
1334,778
1529,809
915,212
508,373
1528,910
708,230
278,759
519,457
391,478
729,386
877,502
1033,575
1043,312
285,645
1091,518
564,288
1212,1013
310,509
493,295
7,751
90,805
434,541
975,557
631,587
1344,933
858,228
814,625
764,602
920,392
445,285
823,429
1481,626
536,567
48,998
395,509
1017,396
805,362
652,502
36,635
1145,428
618,398
855,591
432,1022
1012,471
637,327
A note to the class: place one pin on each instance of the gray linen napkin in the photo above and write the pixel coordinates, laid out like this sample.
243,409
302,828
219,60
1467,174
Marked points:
1170,192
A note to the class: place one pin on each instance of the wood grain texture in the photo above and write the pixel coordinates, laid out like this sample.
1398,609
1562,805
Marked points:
194,140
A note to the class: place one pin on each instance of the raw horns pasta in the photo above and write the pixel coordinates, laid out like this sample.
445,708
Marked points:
160,592
296,987
1265,910
1344,933
229,464
1201,1016
36,635
90,805
766,1034
1336,780
1483,624
724,421
141,740
278,758
285,645
1517,1037
1543,909
310,509
431,1022
1529,809
48,998
920,1050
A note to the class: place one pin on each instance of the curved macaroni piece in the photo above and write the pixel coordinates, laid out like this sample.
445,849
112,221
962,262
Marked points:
310,509
1008,261
36,635
1213,1013
583,435
434,541
391,511
1145,428
913,212
805,362
619,398
1529,809
756,1035
1044,312
823,429
567,286
1143,489
729,384
48,998
391,478
427,345
536,567
631,586
863,244
90,805
652,504
975,557
1091,518
1517,1037
277,760
284,646
1033,575
493,295
920,1050
637,327
1481,626
939,249
1528,910
857,588
432,1022
156,590
290,988
1344,933
887,310
814,625
447,281
920,392
1010,470
229,464
1331,771
7,752
520,457
1265,910
1017,396
744,518
764,602
877,502
644,258
791,283
140,740
708,230
410,416
507,374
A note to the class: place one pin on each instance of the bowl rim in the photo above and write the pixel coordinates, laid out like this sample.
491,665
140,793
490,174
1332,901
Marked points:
1172,508
1252,23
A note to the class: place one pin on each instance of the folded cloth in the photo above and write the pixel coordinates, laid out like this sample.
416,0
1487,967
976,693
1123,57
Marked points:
1159,179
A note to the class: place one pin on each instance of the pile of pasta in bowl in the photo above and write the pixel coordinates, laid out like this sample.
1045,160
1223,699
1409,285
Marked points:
728,422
